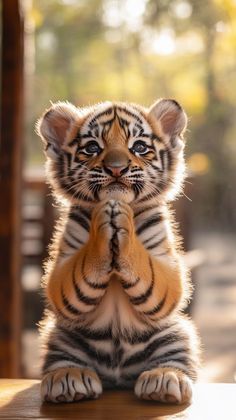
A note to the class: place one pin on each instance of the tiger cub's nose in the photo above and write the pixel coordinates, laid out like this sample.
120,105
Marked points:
116,162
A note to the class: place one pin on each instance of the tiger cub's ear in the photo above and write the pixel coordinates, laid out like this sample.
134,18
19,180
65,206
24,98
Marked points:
169,118
55,125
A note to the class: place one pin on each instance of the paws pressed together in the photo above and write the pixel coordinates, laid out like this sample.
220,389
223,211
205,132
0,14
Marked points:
115,283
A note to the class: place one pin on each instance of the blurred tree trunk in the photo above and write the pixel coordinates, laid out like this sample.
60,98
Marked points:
10,183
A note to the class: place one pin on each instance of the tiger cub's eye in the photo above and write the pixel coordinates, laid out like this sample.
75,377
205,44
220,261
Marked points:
139,147
92,147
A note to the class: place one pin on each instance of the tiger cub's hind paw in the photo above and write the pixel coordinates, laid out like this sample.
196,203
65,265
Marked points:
70,384
165,385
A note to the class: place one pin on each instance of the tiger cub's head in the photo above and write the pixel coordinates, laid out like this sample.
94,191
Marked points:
114,150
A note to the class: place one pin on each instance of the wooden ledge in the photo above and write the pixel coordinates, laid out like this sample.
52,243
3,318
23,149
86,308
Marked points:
20,399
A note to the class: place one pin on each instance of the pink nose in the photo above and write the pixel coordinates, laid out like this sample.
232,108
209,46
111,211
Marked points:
116,162
116,171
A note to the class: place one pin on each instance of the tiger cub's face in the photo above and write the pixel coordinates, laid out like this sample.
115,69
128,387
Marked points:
114,150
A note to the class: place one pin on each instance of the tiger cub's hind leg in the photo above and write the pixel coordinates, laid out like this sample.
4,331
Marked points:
165,385
70,384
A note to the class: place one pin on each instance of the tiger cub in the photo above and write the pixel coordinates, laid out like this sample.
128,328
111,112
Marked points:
115,282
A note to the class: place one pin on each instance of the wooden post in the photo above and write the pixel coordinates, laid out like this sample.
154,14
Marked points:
11,144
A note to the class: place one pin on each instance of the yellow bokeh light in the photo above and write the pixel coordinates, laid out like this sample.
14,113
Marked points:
198,163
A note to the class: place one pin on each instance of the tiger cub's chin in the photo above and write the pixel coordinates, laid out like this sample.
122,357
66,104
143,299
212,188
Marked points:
118,193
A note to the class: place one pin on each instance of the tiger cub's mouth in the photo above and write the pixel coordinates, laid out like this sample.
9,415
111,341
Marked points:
117,190
117,184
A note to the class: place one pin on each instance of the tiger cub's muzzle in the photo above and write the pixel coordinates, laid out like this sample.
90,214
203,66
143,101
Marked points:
116,162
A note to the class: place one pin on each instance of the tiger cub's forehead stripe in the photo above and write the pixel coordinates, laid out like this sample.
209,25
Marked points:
117,110
100,114
131,121
131,113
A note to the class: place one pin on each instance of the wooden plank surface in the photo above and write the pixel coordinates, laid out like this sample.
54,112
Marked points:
20,399
11,145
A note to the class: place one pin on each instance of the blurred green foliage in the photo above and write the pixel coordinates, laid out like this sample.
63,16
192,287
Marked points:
140,50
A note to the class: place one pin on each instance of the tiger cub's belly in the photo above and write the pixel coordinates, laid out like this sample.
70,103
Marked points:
115,313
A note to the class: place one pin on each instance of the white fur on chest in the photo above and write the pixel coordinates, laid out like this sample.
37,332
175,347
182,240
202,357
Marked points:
115,310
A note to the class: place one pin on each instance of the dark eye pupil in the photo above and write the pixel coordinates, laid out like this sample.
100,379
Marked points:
92,148
139,147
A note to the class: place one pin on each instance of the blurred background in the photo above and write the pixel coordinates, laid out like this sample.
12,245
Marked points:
128,50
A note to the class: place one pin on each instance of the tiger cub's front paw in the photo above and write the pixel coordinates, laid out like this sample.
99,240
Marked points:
101,226
164,385
70,384
113,228
121,221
